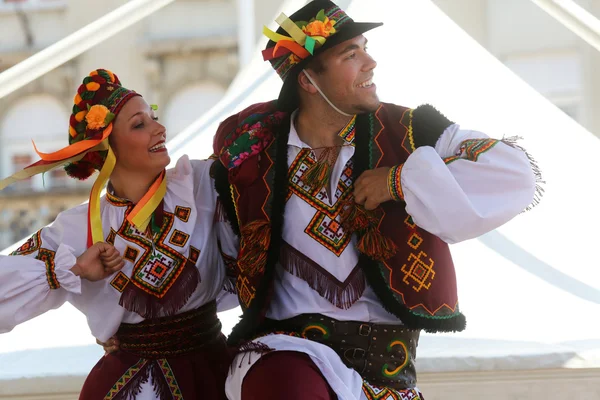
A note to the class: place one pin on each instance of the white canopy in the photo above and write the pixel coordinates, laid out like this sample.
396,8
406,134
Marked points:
530,290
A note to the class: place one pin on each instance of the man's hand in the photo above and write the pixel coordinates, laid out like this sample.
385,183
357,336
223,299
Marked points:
110,346
98,262
371,188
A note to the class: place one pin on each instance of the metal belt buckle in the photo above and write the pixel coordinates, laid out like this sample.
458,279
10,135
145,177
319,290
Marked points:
364,330
355,354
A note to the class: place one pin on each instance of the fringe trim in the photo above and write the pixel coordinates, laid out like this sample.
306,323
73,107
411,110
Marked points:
134,387
245,349
341,294
539,181
149,306
159,382
229,286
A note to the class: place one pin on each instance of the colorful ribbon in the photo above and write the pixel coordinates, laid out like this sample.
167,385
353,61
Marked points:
141,215
298,43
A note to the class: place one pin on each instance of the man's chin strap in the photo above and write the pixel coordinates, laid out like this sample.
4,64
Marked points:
323,95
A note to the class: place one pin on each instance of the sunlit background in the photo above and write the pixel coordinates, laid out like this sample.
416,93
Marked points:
530,290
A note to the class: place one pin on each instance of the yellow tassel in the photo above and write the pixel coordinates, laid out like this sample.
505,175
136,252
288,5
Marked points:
256,238
316,175
376,246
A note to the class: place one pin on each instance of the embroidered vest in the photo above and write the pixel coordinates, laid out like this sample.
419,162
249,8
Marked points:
417,283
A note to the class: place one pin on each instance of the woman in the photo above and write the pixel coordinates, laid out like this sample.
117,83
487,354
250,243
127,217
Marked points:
159,299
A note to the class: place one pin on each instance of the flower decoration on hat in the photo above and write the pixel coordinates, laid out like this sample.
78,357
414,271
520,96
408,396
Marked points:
304,37
98,117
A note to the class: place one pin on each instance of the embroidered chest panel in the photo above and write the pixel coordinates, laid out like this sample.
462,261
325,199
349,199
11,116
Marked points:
159,261
325,227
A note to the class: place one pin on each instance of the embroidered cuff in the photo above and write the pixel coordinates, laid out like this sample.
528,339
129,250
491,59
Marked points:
394,184
64,261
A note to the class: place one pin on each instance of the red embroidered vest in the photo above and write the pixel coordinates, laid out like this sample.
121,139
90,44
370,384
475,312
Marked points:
417,284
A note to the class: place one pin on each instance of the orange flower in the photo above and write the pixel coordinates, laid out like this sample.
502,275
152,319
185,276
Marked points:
294,59
97,117
320,28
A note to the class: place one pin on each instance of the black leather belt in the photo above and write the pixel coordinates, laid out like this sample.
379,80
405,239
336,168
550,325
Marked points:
384,355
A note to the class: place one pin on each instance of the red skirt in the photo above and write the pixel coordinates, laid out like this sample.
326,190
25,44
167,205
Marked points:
185,355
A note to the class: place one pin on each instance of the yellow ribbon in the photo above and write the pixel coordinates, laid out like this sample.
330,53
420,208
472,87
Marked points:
274,36
95,220
141,215
291,28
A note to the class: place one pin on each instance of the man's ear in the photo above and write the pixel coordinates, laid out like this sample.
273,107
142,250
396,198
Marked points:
305,84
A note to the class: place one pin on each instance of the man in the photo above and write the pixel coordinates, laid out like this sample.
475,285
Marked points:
345,207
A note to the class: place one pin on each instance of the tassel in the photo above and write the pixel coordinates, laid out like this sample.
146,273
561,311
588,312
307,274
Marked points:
256,239
316,175
376,246
353,217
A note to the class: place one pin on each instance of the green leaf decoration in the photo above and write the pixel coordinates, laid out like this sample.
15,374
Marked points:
87,95
301,24
75,109
80,127
321,16
104,75
109,117
154,107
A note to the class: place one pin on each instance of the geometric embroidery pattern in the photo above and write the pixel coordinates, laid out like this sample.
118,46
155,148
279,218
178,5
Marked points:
328,232
179,238
415,240
471,149
158,266
245,292
183,213
120,281
373,392
131,254
325,227
170,378
47,256
125,378
30,246
194,254
420,272
111,237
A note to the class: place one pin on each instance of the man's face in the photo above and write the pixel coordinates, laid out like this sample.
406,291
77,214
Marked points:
346,77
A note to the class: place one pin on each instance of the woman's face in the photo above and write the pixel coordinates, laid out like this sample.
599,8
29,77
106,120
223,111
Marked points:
138,139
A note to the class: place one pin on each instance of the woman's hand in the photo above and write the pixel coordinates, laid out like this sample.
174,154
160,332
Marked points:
98,262
110,346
